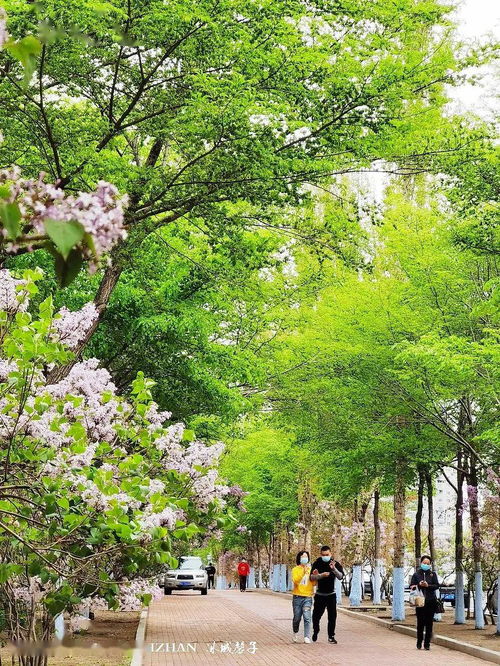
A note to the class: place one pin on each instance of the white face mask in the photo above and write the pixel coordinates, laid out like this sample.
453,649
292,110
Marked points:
304,560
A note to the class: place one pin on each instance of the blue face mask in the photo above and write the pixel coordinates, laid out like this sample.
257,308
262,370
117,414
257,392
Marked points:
425,567
326,558
304,560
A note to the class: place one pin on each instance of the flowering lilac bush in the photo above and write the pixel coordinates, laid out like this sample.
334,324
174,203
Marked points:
38,214
95,487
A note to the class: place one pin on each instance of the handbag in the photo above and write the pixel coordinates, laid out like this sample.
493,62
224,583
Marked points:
417,598
439,606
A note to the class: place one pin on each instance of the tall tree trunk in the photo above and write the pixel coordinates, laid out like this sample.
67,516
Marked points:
498,604
259,567
108,283
337,553
472,490
270,576
459,543
377,578
119,259
430,517
398,605
418,518
306,513
355,595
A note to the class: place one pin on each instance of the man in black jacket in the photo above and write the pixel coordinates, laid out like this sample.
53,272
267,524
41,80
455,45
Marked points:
324,571
211,575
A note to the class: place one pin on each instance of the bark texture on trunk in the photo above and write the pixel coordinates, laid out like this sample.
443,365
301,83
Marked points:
418,518
377,579
430,517
472,492
459,544
398,605
108,283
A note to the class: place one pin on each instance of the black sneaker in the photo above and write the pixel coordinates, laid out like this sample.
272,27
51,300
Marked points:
331,639
419,646
315,637
427,647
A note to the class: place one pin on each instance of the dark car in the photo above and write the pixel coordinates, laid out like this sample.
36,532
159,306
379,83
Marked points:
448,594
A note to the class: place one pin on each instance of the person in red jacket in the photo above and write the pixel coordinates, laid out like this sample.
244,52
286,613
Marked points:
243,571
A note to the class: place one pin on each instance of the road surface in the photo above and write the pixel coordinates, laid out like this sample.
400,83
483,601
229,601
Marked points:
254,628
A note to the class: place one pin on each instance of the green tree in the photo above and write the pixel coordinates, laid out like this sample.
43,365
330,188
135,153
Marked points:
195,107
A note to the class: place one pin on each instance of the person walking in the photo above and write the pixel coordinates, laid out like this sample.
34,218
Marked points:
324,572
211,575
303,589
243,572
427,581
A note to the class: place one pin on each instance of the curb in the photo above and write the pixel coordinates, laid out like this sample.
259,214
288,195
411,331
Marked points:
139,639
473,650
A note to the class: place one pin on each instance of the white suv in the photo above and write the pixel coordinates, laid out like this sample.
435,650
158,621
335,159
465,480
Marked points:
190,575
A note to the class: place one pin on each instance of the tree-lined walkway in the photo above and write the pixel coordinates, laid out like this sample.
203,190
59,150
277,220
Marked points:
224,623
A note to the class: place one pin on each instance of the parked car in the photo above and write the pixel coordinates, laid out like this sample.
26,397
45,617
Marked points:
448,594
189,575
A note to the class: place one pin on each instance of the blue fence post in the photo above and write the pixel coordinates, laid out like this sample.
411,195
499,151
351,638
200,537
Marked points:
338,590
478,601
498,605
377,583
275,578
459,598
398,597
355,596
283,577
251,579
221,583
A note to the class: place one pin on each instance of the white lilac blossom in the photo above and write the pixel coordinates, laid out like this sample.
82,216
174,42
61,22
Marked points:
128,597
4,35
166,518
30,593
78,623
155,417
101,213
12,297
81,416
71,327
6,367
298,135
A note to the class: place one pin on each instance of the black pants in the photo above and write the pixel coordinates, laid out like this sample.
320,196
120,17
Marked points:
425,619
211,583
243,583
320,603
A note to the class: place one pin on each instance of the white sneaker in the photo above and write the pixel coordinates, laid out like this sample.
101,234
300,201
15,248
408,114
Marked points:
307,639
296,638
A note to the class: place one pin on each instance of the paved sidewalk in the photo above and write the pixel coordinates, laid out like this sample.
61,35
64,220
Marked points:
229,621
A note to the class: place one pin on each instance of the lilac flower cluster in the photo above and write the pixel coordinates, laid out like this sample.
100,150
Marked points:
30,593
4,35
72,327
101,213
78,418
12,297
128,598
